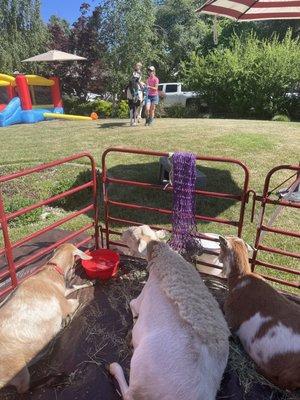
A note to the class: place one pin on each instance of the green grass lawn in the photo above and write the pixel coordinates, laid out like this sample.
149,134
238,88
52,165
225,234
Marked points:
261,145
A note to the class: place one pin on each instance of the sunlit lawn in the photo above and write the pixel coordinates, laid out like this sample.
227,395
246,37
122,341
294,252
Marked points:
260,145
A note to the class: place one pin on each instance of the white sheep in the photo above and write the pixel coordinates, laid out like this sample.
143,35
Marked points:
180,339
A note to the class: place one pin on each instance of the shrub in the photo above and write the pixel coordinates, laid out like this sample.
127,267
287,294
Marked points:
160,110
86,108
281,118
17,202
251,78
122,109
294,110
103,108
175,111
73,105
70,104
191,110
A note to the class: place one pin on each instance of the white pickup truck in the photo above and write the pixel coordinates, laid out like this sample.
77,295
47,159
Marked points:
174,93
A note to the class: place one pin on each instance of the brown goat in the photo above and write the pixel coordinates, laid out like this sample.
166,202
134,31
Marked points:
33,315
267,323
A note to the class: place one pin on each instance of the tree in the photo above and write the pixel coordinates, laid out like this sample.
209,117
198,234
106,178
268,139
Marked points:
182,31
82,38
86,40
279,28
251,78
22,33
130,36
227,28
60,33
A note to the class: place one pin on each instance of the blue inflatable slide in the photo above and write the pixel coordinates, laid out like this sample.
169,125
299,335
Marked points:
13,114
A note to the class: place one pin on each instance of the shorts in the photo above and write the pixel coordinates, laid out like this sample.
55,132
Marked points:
152,99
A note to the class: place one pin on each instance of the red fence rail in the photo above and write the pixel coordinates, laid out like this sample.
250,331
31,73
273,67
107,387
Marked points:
265,199
12,266
264,227
108,202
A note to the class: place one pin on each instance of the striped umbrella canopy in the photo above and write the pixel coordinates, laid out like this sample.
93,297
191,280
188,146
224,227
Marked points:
253,10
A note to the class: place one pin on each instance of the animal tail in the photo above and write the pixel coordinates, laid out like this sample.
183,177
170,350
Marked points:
116,371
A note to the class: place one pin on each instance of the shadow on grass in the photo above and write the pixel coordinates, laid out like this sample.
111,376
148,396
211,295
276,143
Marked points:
113,124
217,180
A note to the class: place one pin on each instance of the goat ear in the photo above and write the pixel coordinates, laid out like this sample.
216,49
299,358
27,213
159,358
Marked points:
81,254
161,234
127,235
223,242
150,247
142,246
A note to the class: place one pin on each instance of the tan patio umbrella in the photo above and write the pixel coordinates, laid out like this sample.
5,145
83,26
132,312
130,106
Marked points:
54,55
252,10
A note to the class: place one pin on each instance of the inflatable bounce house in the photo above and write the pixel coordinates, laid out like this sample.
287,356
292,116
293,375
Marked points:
31,98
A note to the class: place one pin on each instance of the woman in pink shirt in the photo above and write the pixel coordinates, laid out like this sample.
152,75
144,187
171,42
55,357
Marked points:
152,96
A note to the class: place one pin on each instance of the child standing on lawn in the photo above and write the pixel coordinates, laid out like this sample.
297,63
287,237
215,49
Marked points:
137,74
137,71
152,95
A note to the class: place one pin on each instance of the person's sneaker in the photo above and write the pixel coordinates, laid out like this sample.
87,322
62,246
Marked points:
150,122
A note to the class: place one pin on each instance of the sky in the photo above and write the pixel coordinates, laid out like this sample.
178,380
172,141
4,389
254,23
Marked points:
67,9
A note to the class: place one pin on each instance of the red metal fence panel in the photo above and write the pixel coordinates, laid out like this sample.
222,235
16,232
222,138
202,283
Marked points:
242,197
12,266
267,200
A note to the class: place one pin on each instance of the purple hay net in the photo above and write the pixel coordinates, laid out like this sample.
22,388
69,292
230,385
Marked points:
183,215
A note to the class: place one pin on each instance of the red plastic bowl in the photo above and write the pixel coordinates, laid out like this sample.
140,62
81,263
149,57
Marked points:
103,265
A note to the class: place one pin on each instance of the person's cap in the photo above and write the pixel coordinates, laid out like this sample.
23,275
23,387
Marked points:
151,68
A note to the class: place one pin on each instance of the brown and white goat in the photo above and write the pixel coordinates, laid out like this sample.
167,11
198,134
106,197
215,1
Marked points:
33,314
267,323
